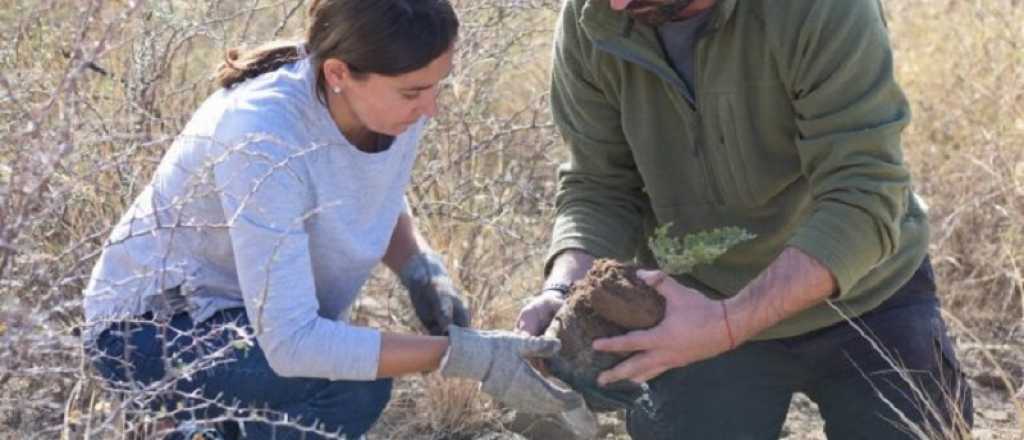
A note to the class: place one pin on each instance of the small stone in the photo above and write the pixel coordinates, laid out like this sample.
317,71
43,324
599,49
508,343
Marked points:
995,415
539,426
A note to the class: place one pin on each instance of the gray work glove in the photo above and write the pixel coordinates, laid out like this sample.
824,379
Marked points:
433,296
498,360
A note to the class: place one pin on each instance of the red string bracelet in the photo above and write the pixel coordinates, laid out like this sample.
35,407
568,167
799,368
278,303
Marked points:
728,327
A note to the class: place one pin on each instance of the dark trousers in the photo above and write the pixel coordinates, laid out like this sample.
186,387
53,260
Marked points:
745,393
131,356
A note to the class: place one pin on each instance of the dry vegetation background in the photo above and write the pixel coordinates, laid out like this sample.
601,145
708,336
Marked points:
93,92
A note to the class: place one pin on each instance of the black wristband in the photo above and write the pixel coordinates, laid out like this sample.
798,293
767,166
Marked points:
562,288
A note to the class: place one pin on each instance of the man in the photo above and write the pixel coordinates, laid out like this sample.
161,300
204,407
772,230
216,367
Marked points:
781,117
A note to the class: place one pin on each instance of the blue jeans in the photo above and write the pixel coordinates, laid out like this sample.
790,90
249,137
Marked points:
132,352
745,393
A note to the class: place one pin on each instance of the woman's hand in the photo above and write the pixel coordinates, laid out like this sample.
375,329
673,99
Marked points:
694,328
500,361
436,301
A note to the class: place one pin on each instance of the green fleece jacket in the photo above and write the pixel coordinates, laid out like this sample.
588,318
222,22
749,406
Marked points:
794,134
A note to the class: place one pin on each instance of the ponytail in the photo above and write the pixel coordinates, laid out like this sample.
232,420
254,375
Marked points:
384,37
240,64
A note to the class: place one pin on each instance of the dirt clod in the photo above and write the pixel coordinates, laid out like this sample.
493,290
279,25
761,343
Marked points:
616,294
609,301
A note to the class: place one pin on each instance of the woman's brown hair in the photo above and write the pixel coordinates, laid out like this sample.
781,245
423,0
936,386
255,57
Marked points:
384,37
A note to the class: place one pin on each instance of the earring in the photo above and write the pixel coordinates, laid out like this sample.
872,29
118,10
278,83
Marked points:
336,90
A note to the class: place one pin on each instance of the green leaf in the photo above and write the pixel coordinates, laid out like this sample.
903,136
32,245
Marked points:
704,247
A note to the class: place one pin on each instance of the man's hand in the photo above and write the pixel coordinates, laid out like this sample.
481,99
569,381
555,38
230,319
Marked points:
568,266
694,329
434,298
499,360
536,315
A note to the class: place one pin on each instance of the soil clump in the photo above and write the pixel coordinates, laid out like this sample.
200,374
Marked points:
609,301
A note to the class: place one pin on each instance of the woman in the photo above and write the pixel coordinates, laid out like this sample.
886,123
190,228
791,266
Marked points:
268,214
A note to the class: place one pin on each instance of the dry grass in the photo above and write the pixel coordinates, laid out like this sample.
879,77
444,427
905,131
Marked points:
962,64
77,144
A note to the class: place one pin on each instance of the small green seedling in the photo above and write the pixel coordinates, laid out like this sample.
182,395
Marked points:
677,257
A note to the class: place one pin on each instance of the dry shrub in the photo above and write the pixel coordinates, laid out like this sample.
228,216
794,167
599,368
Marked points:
92,93
962,65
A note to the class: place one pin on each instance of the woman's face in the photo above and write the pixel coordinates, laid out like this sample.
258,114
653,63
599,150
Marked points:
386,104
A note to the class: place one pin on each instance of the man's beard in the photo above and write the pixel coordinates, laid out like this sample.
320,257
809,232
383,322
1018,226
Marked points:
661,12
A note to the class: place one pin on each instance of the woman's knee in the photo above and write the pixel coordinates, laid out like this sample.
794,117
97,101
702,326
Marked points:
371,397
127,354
352,406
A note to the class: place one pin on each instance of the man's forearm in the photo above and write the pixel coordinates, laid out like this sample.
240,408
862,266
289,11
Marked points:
794,282
569,266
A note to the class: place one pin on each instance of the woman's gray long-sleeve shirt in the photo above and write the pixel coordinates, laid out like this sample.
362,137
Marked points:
262,203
